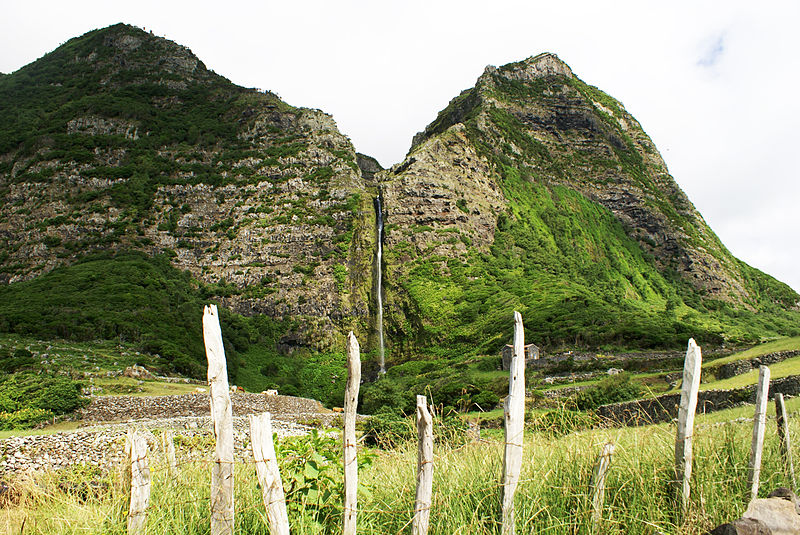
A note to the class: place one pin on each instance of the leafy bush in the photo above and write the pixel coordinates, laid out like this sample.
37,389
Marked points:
485,400
612,389
56,395
60,396
386,429
24,418
489,364
311,470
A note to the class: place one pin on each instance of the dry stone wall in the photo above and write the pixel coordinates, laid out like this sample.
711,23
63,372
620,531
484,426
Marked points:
665,408
103,446
120,408
740,367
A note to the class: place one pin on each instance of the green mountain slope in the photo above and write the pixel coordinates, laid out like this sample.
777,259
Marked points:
540,193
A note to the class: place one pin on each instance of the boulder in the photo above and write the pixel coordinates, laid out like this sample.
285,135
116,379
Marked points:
778,514
743,526
138,372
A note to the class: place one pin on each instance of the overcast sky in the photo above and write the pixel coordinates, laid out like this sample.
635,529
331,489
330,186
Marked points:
713,83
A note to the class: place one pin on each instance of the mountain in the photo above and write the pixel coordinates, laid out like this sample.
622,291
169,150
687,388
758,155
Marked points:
121,140
130,172
536,191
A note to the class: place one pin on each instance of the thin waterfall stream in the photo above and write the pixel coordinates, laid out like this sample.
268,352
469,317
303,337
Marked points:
379,282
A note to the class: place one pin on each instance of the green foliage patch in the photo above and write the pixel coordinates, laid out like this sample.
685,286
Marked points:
612,389
132,298
27,399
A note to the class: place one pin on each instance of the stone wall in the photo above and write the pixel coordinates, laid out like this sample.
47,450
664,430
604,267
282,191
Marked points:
120,408
665,408
103,446
740,367
187,414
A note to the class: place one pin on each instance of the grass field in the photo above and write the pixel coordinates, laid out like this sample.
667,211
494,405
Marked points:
777,370
553,496
783,344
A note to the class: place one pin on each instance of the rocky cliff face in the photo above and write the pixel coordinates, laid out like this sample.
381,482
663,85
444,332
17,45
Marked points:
586,141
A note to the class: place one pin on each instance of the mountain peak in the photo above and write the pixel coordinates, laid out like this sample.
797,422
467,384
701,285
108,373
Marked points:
122,54
535,67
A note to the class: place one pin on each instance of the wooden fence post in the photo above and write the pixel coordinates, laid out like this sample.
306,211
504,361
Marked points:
168,442
785,439
222,518
422,507
599,483
686,411
269,477
136,454
759,425
349,439
514,411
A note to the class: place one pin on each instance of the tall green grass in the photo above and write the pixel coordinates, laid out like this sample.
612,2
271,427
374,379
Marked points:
553,497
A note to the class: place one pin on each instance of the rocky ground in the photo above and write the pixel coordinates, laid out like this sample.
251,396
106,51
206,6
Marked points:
107,419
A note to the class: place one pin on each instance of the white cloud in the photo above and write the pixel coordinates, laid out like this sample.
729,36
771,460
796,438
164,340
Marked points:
712,82
713,52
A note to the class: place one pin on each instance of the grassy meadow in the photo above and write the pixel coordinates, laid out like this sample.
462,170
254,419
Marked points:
553,497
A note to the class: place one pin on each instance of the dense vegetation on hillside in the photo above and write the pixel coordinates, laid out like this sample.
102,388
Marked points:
142,300
129,297
179,105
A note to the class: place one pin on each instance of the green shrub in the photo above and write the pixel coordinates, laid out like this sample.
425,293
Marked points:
485,400
311,470
386,429
60,396
24,418
489,364
25,390
612,389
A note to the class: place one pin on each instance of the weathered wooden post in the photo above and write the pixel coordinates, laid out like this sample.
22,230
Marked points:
222,518
349,440
422,507
514,411
785,439
136,453
168,442
269,477
599,483
686,411
759,425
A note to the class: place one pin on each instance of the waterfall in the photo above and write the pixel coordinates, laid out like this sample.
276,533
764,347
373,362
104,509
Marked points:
379,281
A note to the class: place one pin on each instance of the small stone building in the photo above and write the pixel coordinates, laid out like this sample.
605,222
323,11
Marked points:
531,355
